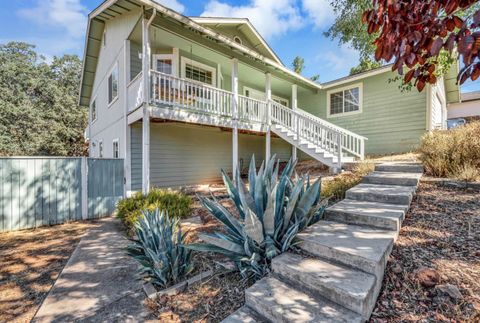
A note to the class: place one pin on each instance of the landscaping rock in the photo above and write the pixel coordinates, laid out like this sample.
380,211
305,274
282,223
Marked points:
428,277
450,290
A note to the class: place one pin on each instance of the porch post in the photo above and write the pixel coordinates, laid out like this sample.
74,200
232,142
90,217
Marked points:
235,117
146,111
126,148
294,107
268,94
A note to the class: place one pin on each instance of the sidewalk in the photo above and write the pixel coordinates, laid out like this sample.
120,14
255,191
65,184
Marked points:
99,283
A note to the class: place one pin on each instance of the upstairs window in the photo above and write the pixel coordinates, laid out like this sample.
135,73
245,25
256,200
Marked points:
116,149
94,110
344,101
113,84
100,149
198,72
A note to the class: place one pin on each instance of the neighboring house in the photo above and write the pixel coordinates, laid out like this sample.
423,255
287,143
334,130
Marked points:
179,98
468,108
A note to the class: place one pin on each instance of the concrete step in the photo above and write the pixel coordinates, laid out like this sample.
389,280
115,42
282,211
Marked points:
391,194
400,167
358,247
393,178
243,315
353,289
278,302
379,215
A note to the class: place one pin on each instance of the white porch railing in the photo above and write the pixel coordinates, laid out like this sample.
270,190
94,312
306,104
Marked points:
251,109
307,129
351,142
171,90
181,93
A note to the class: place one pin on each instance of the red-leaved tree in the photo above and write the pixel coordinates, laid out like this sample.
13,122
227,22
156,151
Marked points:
414,32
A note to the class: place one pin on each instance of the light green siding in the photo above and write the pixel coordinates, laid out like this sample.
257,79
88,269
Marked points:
183,154
392,121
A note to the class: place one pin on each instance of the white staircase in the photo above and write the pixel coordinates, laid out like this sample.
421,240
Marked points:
327,143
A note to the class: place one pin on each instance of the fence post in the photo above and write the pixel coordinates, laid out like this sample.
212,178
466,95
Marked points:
84,188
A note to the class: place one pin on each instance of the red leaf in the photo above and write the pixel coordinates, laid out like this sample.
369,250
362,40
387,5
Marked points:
408,77
436,46
420,85
458,22
476,73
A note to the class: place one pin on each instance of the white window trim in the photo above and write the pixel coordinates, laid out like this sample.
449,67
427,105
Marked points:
246,88
113,145
118,84
100,144
92,121
184,61
172,57
344,114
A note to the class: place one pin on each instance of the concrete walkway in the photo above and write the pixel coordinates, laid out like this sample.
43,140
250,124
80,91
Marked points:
99,283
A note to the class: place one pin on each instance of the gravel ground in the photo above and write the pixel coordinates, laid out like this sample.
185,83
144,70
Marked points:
433,274
30,262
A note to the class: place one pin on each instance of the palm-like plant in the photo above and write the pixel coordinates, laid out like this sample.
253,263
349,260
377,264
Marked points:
272,211
159,249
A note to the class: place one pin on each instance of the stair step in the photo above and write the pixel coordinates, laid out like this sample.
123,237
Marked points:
379,215
392,194
359,247
242,315
400,167
278,302
393,178
353,289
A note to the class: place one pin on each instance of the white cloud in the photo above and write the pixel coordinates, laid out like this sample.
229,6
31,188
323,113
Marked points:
319,12
68,15
173,4
270,17
340,60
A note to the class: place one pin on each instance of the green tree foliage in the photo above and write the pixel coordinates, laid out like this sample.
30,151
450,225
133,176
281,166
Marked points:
364,65
39,113
298,64
348,27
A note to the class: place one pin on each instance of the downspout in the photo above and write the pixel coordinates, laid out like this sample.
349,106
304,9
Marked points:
146,101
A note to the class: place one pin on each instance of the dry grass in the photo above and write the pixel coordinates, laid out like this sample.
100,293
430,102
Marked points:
453,153
441,232
30,262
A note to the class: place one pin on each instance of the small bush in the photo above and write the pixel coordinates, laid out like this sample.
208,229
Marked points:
467,173
176,204
453,152
159,249
339,185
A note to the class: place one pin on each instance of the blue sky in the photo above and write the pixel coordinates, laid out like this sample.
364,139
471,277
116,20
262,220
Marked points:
291,27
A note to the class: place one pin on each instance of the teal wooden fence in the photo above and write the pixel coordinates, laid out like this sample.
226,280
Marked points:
38,191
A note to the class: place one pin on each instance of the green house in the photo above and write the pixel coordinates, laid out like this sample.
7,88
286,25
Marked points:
180,97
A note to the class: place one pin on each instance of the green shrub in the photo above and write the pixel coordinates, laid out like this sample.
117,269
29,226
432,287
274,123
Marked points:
339,185
447,153
272,211
158,248
176,204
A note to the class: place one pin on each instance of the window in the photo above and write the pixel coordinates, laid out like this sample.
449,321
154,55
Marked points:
116,150
113,84
100,149
283,102
345,101
94,110
198,72
165,63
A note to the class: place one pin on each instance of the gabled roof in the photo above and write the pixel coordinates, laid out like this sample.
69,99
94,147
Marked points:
244,26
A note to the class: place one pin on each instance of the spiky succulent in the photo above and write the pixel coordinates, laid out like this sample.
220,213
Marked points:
158,248
271,212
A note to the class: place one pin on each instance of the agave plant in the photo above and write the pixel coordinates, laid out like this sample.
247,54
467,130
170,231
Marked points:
159,249
271,212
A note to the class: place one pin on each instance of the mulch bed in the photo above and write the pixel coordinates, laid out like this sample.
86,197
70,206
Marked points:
30,262
433,274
